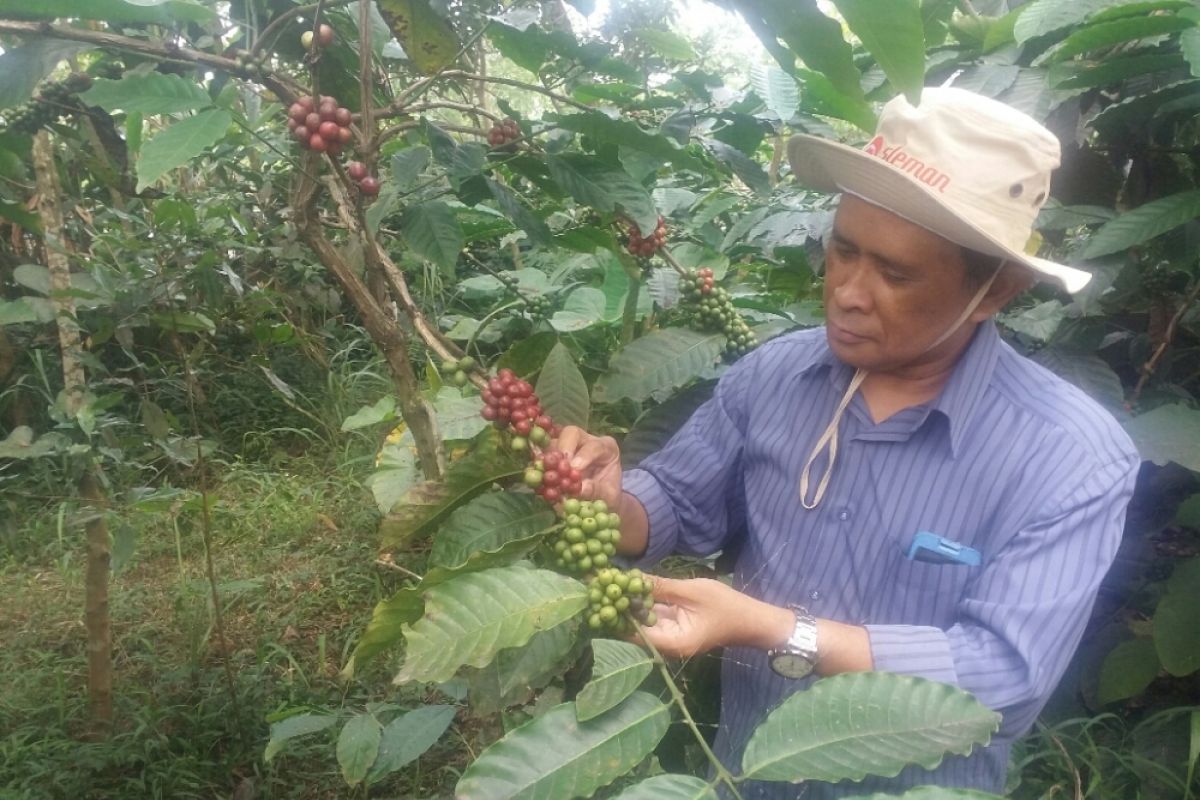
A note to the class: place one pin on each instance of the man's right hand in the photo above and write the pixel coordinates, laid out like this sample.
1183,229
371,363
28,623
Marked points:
598,459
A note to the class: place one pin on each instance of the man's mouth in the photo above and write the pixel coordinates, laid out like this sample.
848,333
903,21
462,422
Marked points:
842,335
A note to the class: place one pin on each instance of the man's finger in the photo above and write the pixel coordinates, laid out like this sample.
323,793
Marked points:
669,590
569,439
590,453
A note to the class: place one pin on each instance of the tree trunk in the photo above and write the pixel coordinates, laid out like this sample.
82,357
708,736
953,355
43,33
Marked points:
384,331
96,617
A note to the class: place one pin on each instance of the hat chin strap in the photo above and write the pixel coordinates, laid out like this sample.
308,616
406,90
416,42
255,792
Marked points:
829,439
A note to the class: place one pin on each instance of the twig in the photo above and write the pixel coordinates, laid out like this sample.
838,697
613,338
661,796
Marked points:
393,565
723,775
277,23
1152,364
1070,765
670,259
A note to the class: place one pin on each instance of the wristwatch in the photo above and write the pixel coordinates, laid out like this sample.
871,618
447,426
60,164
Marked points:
797,657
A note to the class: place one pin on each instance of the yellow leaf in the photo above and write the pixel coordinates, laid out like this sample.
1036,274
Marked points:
428,39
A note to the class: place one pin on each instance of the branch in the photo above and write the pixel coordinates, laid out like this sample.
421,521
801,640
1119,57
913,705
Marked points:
1152,364
282,19
286,89
723,775
398,105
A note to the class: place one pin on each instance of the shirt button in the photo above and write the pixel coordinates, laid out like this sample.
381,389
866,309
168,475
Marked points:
814,595
844,514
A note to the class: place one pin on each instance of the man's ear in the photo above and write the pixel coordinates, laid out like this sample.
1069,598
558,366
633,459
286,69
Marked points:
1011,280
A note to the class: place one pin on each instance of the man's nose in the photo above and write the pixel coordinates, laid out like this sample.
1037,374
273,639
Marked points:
852,292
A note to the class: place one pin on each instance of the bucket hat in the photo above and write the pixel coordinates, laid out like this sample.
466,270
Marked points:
966,167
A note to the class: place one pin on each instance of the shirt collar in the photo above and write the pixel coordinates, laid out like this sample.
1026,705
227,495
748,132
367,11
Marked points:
959,398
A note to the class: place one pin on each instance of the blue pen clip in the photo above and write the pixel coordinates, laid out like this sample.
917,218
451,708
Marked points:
934,549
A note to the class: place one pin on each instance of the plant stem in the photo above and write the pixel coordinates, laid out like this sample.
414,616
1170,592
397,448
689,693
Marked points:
723,775
1152,364
629,313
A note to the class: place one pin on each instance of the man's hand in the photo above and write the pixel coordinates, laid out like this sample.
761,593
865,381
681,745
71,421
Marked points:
695,616
599,460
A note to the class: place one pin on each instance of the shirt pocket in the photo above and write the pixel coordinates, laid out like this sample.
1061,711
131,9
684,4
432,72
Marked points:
947,581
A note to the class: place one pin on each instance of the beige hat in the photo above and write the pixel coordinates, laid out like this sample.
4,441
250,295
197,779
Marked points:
971,169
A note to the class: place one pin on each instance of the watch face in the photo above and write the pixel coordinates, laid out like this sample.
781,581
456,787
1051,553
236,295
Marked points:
791,665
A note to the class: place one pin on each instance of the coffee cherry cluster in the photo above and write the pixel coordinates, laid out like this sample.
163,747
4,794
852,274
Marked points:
510,403
55,100
649,245
589,538
713,310
456,371
320,125
552,476
367,184
613,593
503,133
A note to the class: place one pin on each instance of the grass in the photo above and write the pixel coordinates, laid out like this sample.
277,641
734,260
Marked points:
294,548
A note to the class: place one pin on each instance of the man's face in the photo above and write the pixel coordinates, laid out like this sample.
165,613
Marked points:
891,288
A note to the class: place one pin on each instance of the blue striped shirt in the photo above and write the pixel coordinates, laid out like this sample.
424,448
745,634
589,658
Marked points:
1009,460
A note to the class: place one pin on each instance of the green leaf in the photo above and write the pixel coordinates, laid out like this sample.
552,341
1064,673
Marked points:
285,730
407,737
472,617
657,364
20,444
527,356
667,44
1090,74
603,186
488,523
382,410
894,34
865,723
1168,433
553,757
405,607
179,143
408,164
1047,16
25,309
183,322
111,11
582,309
1128,670
749,170
1189,45
819,96
603,128
932,793
357,747
427,503
1176,634
510,203
618,670
669,787
1039,322
777,89
396,471
810,34
148,93
427,38
433,232
1143,223
562,389
1123,30
516,673
654,429
22,67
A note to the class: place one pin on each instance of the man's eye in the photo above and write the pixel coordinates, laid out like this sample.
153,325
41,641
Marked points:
891,276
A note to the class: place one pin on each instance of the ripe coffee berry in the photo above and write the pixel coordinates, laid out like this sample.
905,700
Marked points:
504,132
320,124
369,186
356,170
324,37
649,245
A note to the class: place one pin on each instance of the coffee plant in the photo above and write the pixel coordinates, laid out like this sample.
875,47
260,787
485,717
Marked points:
536,228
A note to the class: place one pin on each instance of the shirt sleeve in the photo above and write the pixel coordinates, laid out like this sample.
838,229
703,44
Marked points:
692,488
1021,620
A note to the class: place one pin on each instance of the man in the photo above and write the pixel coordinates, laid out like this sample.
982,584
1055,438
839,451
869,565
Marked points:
906,493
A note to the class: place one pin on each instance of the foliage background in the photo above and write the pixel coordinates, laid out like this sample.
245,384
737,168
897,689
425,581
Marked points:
226,362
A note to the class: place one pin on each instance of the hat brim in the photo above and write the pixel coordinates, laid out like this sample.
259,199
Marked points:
833,167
